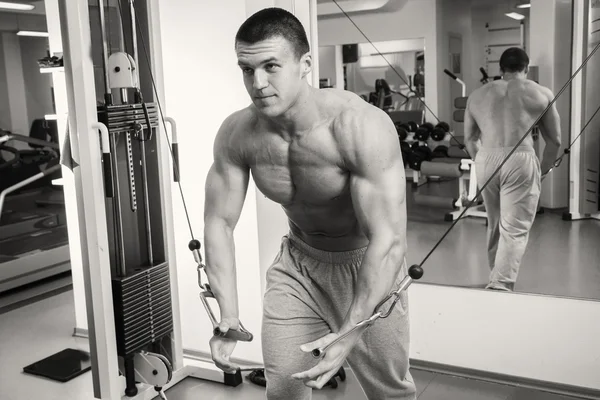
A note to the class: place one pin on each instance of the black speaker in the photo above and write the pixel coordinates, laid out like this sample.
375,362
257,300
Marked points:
349,53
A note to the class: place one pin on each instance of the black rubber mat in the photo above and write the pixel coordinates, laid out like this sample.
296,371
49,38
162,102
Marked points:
62,366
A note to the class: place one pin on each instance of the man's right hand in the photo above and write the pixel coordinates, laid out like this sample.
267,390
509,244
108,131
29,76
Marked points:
221,348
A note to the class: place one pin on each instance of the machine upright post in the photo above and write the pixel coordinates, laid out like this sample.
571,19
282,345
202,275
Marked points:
118,217
145,193
107,93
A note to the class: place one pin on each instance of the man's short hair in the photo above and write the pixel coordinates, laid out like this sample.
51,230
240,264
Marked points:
273,22
514,59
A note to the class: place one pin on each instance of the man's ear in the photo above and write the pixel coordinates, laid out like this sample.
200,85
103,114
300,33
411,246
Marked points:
307,64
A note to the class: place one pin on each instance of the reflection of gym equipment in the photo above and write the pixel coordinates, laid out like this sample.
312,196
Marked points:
445,161
24,163
33,242
257,376
485,78
464,171
382,98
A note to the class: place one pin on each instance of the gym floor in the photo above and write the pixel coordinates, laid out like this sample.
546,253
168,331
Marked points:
40,329
561,257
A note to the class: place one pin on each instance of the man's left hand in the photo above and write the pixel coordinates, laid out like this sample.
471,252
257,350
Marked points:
330,364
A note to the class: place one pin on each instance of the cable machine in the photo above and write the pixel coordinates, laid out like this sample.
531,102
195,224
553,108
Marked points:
584,164
141,299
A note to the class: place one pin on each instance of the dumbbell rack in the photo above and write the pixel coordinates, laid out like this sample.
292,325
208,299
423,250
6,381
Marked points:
467,191
418,178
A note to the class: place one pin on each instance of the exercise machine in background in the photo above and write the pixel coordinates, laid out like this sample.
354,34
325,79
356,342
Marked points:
33,232
467,173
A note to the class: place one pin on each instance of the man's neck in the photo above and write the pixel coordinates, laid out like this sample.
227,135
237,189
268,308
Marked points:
514,76
301,117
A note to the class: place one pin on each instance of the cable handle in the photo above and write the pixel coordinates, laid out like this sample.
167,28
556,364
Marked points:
107,161
415,272
240,334
174,148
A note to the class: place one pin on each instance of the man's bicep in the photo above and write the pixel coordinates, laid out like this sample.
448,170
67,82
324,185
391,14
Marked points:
550,126
472,131
226,187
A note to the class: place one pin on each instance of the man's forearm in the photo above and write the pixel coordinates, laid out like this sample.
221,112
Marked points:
220,266
380,267
550,155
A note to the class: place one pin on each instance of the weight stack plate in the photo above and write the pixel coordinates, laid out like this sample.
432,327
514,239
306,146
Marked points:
143,308
120,118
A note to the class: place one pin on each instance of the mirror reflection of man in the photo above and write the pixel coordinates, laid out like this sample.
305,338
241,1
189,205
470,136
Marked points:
498,114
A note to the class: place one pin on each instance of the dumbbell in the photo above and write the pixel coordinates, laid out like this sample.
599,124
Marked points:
439,132
412,126
440,152
418,155
424,131
402,130
257,377
340,374
422,134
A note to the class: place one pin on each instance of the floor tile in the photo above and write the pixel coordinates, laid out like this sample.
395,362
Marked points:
194,389
444,387
422,379
529,394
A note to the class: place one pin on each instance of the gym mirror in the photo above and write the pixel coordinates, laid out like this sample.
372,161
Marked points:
374,53
33,234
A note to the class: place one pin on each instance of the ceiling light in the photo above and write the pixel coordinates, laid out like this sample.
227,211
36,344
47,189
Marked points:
526,5
515,15
16,6
33,33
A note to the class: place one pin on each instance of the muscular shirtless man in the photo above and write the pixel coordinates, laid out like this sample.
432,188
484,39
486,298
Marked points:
334,164
498,115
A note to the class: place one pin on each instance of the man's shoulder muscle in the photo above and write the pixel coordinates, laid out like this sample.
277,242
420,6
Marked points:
229,140
361,129
474,99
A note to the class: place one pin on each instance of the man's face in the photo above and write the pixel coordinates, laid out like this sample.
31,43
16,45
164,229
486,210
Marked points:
272,74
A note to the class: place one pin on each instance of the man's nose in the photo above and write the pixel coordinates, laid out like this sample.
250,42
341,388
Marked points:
260,80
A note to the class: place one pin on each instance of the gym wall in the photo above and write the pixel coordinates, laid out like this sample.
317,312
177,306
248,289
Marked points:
550,49
327,65
38,86
14,93
203,85
15,83
454,18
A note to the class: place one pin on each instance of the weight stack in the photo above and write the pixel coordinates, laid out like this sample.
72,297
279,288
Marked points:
143,310
120,118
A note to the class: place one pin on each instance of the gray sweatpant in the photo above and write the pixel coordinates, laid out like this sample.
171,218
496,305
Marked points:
511,200
308,294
